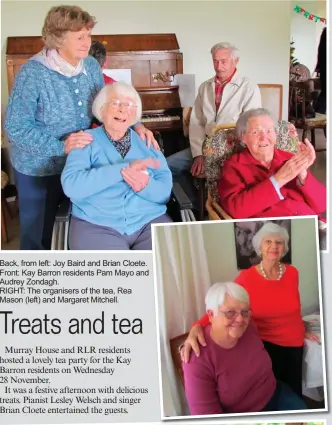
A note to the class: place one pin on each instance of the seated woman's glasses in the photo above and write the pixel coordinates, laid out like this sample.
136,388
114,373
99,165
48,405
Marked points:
115,104
232,314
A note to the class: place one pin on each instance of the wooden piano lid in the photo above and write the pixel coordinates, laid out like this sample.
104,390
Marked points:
138,42
113,43
24,45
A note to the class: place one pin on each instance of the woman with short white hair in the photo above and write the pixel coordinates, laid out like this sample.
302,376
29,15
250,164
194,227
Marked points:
273,287
263,181
118,186
233,373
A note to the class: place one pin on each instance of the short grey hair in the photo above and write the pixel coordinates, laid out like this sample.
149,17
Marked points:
243,120
216,294
269,229
234,50
122,89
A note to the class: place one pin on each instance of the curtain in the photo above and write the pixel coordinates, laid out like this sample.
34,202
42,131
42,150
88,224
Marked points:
182,282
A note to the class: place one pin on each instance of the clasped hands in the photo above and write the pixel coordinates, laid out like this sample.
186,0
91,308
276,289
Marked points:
297,166
136,175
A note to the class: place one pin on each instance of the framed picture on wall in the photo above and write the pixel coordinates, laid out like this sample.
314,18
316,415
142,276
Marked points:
244,232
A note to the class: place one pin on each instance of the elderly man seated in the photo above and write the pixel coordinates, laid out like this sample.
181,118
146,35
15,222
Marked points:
117,185
263,181
220,100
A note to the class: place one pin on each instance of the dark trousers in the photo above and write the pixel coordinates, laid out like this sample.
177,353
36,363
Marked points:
283,399
38,200
286,364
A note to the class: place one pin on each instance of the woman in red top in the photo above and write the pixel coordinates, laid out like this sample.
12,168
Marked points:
275,304
263,181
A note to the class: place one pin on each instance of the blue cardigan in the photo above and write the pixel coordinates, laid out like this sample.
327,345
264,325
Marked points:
44,108
93,181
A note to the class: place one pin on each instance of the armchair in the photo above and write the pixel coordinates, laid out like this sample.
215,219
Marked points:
220,146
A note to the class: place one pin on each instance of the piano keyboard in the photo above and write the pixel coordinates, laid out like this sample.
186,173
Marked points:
162,118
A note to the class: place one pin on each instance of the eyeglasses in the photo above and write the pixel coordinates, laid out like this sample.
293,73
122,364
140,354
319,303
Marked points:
115,104
232,314
259,131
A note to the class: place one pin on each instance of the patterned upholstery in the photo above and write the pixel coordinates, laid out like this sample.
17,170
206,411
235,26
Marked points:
318,121
223,143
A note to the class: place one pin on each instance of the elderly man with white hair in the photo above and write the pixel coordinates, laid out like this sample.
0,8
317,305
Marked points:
233,373
220,100
117,185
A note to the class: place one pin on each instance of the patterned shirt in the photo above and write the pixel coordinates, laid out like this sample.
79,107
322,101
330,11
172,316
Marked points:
220,88
123,145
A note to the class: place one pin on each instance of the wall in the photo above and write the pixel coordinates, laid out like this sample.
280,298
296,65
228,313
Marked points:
261,30
220,246
306,33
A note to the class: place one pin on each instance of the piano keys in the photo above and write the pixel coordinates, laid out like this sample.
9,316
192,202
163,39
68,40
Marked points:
161,108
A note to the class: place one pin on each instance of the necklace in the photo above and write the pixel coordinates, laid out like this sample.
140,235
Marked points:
263,271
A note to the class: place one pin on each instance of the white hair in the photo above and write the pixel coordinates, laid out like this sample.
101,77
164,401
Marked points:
243,120
234,50
122,89
267,230
215,296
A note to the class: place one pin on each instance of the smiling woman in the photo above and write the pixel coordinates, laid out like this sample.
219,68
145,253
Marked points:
233,373
49,106
263,181
117,185
244,231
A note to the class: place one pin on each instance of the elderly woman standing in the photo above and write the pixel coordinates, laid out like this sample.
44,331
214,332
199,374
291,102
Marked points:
233,373
117,185
49,106
262,181
273,287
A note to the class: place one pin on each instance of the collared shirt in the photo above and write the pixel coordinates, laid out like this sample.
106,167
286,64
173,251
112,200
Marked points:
219,88
123,145
239,95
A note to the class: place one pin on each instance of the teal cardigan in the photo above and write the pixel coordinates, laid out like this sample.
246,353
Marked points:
93,181
44,108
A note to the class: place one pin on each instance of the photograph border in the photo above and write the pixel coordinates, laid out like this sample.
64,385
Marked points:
322,312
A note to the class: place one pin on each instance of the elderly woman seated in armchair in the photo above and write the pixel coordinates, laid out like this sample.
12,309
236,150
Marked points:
117,186
263,181
233,373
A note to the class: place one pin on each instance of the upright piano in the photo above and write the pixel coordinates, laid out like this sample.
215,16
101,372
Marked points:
154,60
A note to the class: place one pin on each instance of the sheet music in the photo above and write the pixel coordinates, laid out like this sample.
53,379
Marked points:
186,83
123,75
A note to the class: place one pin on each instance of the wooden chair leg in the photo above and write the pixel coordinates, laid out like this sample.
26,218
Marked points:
304,134
4,205
4,234
313,138
201,198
